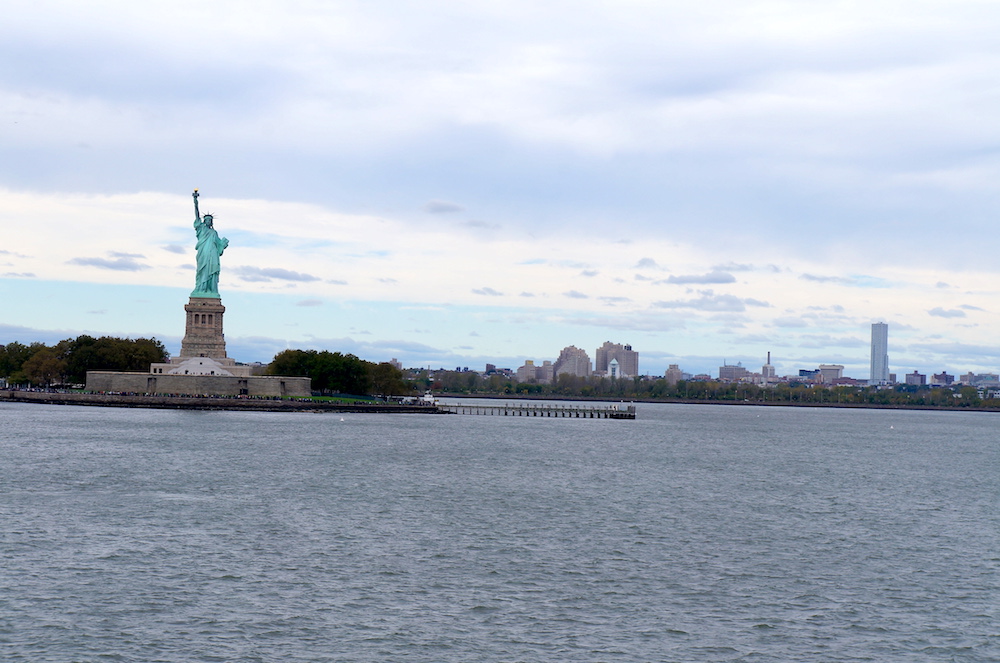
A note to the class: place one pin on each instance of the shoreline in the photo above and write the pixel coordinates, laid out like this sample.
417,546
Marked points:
689,401
207,403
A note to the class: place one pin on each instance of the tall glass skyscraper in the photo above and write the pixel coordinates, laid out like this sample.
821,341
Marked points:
880,354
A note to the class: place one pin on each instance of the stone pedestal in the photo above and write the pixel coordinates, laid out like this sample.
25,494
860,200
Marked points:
203,333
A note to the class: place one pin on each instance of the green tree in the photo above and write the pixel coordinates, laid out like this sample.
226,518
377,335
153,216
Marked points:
387,380
44,368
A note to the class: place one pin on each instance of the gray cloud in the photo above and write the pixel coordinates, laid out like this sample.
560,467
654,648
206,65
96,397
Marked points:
20,275
646,263
310,302
710,301
640,322
825,279
174,248
121,264
574,294
442,207
733,267
788,322
489,292
970,307
702,279
267,274
589,272
939,312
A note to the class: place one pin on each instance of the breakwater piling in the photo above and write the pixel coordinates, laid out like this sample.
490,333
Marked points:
618,411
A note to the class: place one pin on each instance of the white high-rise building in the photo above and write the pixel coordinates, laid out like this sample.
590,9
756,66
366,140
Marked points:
879,374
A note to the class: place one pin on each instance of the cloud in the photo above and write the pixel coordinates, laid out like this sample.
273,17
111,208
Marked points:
20,275
710,301
254,274
970,307
733,267
442,207
336,282
589,272
939,312
788,323
645,322
310,302
174,248
574,294
489,292
614,300
646,263
704,279
119,254
121,264
527,294
825,279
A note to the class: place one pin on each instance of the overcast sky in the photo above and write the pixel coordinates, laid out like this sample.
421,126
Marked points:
455,183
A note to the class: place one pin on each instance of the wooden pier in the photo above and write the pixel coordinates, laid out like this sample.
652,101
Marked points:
618,411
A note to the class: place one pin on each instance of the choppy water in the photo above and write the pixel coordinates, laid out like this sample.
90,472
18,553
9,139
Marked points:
696,533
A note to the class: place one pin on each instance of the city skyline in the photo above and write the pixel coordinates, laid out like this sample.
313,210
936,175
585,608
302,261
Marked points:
459,185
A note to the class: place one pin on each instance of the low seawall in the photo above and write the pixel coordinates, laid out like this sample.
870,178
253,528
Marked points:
209,403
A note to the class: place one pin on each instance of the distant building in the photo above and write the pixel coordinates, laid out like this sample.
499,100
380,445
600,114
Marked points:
828,373
673,375
528,372
395,364
942,379
628,359
981,380
573,361
810,374
916,378
767,373
546,373
879,370
729,373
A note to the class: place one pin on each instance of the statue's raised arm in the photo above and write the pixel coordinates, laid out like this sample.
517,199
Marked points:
197,216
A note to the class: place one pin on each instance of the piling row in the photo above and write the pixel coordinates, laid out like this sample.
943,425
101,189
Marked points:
532,410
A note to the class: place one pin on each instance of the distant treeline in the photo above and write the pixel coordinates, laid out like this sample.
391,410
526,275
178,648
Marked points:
339,373
68,361
570,386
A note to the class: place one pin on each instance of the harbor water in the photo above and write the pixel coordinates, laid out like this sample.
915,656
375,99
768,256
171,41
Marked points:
694,533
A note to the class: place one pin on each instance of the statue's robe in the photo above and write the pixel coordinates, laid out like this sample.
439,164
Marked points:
209,247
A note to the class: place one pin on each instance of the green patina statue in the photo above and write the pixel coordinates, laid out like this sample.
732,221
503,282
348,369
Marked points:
210,247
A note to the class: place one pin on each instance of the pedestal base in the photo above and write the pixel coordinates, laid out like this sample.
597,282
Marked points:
203,333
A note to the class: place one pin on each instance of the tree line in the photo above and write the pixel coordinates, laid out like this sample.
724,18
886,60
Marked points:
68,361
641,388
333,372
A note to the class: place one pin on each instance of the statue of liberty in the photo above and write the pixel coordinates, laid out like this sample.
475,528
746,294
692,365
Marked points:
210,247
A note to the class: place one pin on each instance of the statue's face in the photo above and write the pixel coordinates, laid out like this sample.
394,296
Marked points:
208,220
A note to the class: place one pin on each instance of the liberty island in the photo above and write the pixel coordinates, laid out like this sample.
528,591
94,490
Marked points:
203,368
